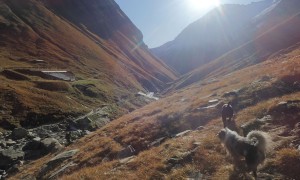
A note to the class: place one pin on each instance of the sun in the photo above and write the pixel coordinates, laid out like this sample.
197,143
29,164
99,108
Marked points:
203,4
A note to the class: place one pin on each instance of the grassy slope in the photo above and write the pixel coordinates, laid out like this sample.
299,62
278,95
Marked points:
179,112
29,30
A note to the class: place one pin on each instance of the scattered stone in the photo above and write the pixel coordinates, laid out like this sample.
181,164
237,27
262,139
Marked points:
213,101
10,157
231,93
36,139
265,119
127,160
209,107
283,103
31,135
126,152
157,142
195,176
3,174
77,134
87,132
10,142
183,133
19,133
3,144
200,128
197,143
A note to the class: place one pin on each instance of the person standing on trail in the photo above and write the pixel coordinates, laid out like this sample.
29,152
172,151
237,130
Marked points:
227,113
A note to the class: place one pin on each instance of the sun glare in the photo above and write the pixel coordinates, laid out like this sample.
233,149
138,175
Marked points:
203,4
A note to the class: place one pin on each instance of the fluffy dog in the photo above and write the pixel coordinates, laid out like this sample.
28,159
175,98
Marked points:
253,147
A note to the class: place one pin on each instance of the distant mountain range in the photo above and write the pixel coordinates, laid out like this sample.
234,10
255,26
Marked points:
229,27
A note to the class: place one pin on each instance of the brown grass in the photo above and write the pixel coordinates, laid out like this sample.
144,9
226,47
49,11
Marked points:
174,114
288,162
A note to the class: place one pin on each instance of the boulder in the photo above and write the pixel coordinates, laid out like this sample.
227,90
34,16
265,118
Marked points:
157,142
33,145
91,123
10,157
85,123
76,134
61,170
34,149
127,160
51,145
55,162
93,120
19,133
126,152
36,139
63,156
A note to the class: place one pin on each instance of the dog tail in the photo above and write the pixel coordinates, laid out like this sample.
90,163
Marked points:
260,139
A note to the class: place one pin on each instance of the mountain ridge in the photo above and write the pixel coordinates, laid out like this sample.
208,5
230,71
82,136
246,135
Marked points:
104,69
219,31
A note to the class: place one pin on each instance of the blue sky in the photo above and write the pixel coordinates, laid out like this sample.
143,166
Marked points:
162,20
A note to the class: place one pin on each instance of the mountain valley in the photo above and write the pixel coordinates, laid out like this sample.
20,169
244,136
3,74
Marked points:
68,64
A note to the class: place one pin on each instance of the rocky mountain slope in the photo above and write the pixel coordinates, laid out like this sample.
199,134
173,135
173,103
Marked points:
175,137
227,28
272,27
64,58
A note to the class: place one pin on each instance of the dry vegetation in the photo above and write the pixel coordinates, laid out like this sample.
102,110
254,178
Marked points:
198,151
106,72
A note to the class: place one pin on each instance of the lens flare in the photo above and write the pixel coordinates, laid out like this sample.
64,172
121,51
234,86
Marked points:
203,4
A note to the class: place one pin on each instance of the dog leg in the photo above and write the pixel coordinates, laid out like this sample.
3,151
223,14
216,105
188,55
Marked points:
255,174
225,121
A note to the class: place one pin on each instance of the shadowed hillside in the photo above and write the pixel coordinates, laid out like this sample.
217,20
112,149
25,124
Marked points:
219,31
93,40
72,78
271,40
175,137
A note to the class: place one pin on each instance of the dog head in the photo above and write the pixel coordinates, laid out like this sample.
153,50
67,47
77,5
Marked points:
222,134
